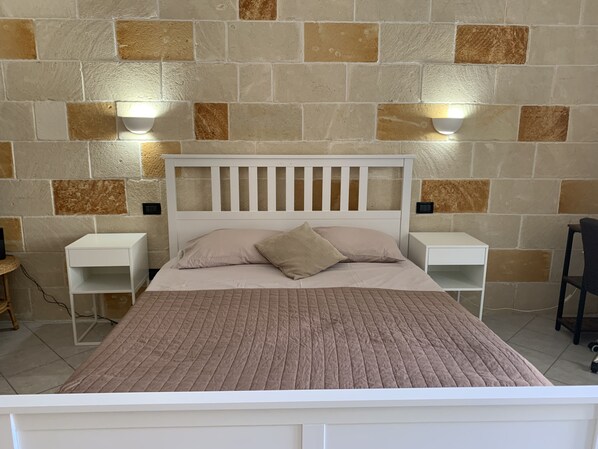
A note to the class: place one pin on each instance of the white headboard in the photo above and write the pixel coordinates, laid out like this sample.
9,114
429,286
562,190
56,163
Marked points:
186,225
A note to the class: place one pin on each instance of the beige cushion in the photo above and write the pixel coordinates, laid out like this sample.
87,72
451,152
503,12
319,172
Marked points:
224,247
300,253
362,245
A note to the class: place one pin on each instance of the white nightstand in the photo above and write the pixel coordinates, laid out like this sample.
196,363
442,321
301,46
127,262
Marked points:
455,260
105,263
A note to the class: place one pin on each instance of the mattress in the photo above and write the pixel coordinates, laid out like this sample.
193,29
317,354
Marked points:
404,275
289,339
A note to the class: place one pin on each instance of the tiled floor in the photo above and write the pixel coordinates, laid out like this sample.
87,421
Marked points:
39,357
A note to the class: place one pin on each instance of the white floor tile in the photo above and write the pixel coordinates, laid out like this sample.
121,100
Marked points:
552,345
41,379
5,387
539,359
572,373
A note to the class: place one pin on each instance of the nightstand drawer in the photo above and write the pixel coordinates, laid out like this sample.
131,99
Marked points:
459,256
99,258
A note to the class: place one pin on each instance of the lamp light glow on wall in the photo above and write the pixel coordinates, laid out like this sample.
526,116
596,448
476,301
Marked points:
139,118
447,126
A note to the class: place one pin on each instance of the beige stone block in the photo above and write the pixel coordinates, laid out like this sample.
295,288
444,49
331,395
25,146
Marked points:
115,81
550,45
499,295
35,9
431,223
2,93
51,160
315,10
13,234
553,234
50,120
566,161
156,227
46,311
202,10
47,234
365,148
589,15
582,124
89,197
265,122
384,83
48,268
43,81
339,121
143,191
173,120
524,85
255,82
392,10
26,198
576,85
210,41
217,147
115,159
17,39
199,82
16,121
109,9
458,84
7,166
264,41
292,148
417,43
440,160
524,196
309,83
512,265
189,200
498,231
549,12
468,11
341,42
152,163
156,40
503,160
575,268
75,39
535,296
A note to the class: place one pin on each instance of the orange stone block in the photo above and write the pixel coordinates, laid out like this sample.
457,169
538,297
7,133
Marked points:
89,197
513,265
491,44
257,9
155,40
341,42
457,196
17,39
211,121
6,162
544,124
91,121
579,197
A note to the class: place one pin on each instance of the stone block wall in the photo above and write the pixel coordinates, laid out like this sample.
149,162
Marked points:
301,77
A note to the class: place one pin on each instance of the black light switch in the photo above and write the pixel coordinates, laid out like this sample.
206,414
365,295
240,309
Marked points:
151,208
423,207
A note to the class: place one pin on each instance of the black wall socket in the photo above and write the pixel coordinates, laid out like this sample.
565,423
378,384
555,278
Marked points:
151,208
423,207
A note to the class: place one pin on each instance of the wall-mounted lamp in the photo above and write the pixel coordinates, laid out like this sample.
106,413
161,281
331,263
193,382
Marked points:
447,126
138,125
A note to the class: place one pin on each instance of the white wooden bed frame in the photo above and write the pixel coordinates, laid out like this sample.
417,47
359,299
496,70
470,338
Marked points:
432,418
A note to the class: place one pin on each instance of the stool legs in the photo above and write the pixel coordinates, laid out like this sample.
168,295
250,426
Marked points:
11,314
567,262
579,319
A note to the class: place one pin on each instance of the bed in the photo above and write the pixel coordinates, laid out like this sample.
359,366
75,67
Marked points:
200,353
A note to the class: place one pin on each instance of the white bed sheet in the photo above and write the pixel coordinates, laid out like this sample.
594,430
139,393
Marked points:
396,276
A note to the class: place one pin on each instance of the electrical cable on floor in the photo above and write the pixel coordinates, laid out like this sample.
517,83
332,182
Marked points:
50,299
525,311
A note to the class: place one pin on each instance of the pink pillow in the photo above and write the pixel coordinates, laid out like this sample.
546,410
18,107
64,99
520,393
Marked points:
224,247
361,244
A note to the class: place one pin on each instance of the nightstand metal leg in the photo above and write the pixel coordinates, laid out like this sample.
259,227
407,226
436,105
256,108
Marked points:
73,318
481,304
459,296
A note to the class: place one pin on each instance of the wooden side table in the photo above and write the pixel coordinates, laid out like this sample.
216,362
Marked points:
8,265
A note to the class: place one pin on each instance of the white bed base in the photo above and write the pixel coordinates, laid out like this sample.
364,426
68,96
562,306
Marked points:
459,418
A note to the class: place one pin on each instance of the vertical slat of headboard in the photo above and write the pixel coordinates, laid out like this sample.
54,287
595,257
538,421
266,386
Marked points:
307,188
271,188
290,189
171,204
326,180
216,198
253,189
406,205
234,189
345,175
363,188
